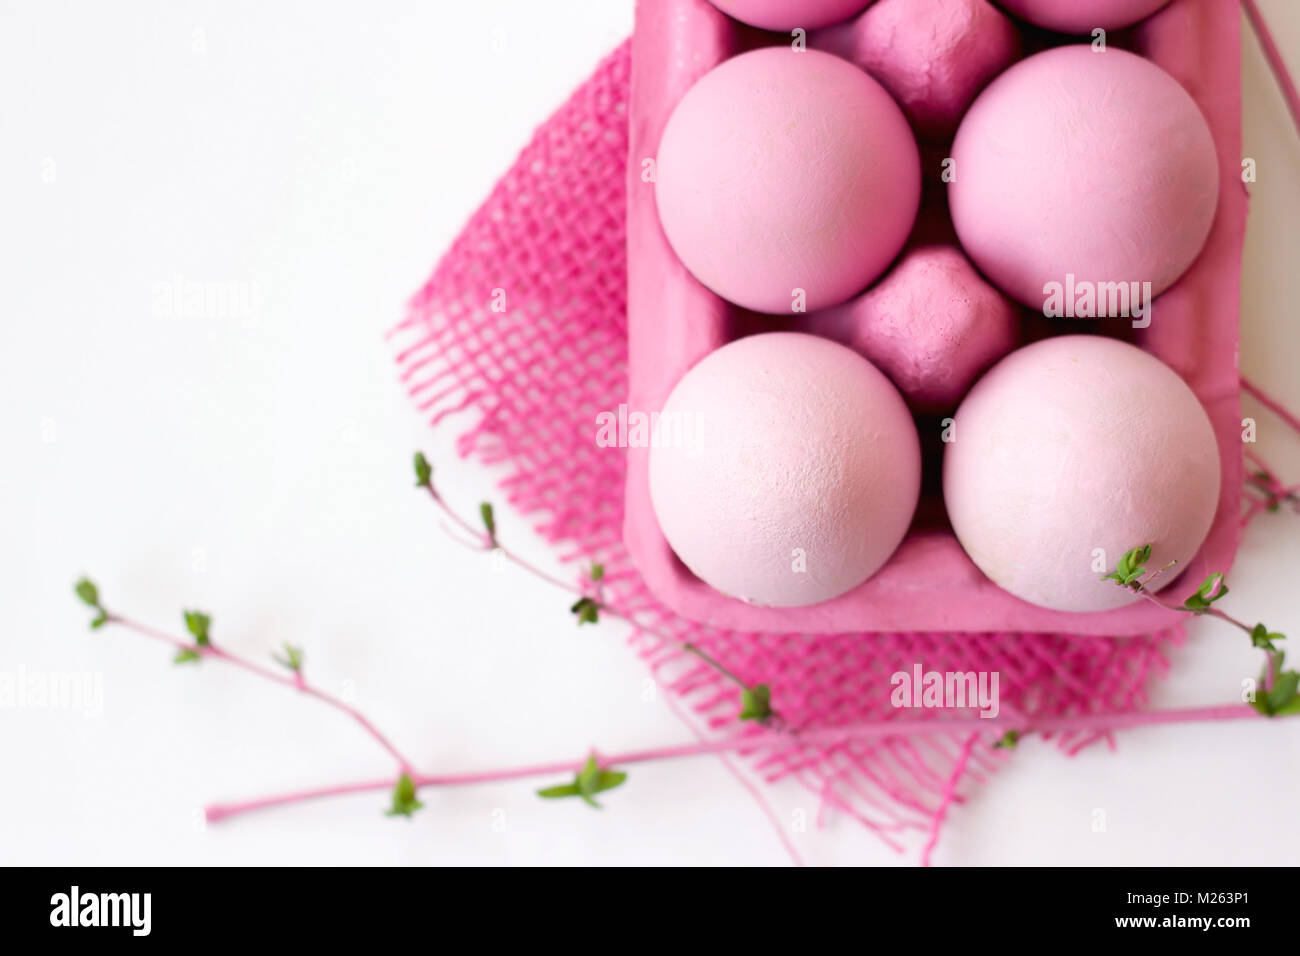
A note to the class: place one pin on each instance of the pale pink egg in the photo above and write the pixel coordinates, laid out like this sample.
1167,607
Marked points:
790,14
1067,454
795,472
1079,166
787,181
1082,16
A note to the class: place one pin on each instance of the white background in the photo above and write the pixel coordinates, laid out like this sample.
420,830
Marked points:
323,155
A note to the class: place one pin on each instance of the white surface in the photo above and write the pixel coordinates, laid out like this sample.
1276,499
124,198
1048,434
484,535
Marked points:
258,466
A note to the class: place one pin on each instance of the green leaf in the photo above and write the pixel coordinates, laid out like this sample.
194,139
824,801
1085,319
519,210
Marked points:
1008,740
1283,693
404,798
197,623
1137,566
292,658
756,702
1140,557
1261,636
1131,567
609,779
186,655
1268,703
563,790
1212,589
489,521
1291,707
423,471
88,593
588,782
597,572
586,610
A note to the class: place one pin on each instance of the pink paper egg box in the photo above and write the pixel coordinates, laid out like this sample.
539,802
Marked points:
929,584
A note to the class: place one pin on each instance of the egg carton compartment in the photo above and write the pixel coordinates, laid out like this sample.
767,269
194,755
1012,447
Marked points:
929,584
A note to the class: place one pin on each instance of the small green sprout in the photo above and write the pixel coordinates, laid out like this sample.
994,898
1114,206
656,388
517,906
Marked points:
404,798
756,702
89,595
1284,696
1212,589
1131,568
423,471
1261,636
586,610
291,659
587,782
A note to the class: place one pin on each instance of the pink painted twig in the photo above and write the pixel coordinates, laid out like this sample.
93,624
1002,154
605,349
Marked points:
1274,57
486,542
297,681
1271,403
829,736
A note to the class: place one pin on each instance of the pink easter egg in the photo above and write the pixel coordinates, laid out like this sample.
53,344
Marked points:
797,472
1076,165
1082,16
1067,454
932,324
787,181
790,14
932,55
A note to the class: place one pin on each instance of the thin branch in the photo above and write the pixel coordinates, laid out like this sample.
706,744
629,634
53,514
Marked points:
1142,588
298,682
769,740
489,543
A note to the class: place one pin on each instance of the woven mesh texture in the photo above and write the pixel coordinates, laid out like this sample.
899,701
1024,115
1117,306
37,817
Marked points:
534,377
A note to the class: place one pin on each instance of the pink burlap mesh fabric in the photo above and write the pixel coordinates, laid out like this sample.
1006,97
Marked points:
530,381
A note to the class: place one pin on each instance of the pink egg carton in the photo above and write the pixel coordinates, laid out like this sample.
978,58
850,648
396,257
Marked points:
929,584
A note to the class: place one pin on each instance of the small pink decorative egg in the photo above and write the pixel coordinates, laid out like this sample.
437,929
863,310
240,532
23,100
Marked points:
1082,16
787,180
789,14
799,471
932,55
1067,454
1082,166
